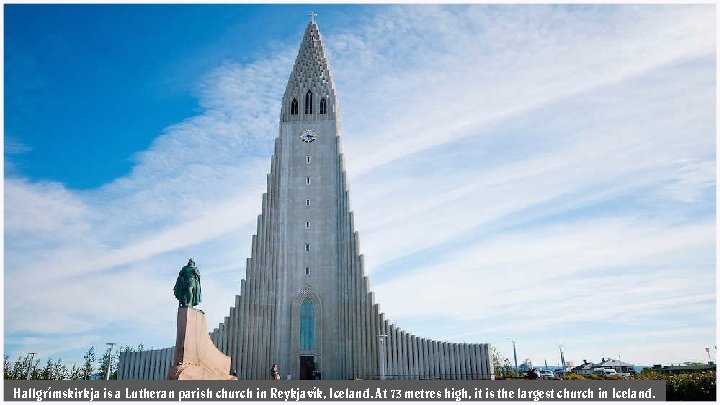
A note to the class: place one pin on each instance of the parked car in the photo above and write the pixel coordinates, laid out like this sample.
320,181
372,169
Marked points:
605,372
548,375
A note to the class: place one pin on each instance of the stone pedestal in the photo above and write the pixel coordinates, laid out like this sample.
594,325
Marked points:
196,357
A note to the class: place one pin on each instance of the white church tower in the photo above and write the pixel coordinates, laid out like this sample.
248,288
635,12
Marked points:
305,303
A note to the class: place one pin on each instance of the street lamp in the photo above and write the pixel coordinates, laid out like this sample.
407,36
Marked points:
109,360
517,371
30,355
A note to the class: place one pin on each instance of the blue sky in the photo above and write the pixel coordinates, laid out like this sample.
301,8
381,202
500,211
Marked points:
541,173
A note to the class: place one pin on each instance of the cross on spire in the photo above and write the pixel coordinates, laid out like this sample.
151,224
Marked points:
312,15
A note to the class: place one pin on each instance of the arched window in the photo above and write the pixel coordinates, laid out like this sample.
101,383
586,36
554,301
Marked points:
307,325
294,107
323,106
308,102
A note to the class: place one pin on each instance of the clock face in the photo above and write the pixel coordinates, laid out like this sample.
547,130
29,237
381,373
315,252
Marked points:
308,135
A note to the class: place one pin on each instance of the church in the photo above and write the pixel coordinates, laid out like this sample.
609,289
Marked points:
306,303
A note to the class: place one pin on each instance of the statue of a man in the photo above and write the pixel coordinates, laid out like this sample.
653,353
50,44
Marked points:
187,286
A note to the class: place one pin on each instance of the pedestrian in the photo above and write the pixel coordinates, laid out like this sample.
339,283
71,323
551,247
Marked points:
274,373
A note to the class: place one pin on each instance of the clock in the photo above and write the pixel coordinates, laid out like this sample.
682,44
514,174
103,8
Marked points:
308,135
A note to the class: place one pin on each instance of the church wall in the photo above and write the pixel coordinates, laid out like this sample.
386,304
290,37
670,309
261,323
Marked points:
262,326
145,365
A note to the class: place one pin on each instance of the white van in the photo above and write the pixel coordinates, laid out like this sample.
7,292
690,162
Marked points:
605,372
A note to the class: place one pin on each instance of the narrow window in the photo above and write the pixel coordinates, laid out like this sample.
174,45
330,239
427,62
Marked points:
307,271
307,159
294,107
307,325
307,180
307,247
308,102
307,203
307,225
323,106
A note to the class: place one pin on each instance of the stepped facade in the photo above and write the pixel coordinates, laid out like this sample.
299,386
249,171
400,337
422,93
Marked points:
305,303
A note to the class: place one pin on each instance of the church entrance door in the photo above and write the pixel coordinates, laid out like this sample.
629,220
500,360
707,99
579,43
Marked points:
307,367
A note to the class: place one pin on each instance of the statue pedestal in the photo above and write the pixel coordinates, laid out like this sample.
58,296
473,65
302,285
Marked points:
196,357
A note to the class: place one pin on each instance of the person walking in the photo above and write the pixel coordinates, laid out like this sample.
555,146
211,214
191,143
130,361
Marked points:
274,373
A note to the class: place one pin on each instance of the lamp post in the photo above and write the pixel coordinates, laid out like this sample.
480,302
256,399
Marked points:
517,372
29,369
381,355
109,360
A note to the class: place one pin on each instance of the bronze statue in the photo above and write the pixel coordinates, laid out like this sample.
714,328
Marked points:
187,286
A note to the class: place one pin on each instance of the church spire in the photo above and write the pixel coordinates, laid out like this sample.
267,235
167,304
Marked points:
310,92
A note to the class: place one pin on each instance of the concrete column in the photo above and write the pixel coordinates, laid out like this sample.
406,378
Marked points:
397,354
355,303
263,322
413,356
421,357
480,366
142,366
432,374
445,361
121,366
154,360
375,330
136,366
137,371
458,360
161,372
453,361
152,364
461,361
412,352
418,357
242,326
382,347
393,352
473,361
235,365
466,355
402,353
224,347
144,374
425,358
128,366
410,355
356,318
433,359
486,360
482,369
168,358
371,332
229,332
447,371
252,309
463,357
245,332
438,359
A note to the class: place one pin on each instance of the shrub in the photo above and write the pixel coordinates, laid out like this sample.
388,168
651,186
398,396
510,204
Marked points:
696,386
699,386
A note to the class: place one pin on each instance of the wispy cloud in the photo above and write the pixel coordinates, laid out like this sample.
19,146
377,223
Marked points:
508,165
